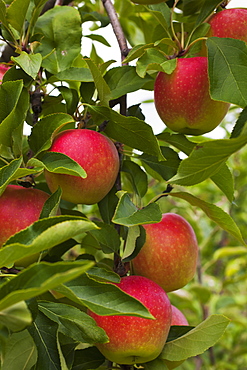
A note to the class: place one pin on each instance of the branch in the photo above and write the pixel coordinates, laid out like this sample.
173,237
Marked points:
117,29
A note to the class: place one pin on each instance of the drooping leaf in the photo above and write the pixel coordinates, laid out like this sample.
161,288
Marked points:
137,176
223,219
8,172
197,340
39,278
51,205
42,235
87,359
61,163
16,317
30,63
73,323
240,126
100,84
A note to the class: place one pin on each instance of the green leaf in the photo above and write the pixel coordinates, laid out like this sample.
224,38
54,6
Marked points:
107,237
16,14
100,84
162,13
206,159
59,47
98,38
123,80
25,353
73,323
127,213
137,176
179,141
154,60
227,67
16,317
75,74
8,172
14,102
207,9
128,130
44,334
229,252
133,234
45,130
30,63
102,275
224,180
61,163
71,97
39,278
197,340
102,298
87,359
240,124
214,213
156,364
41,235
51,206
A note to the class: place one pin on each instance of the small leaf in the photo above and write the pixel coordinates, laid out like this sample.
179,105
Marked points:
30,63
16,317
8,173
197,340
240,124
137,177
107,237
16,13
128,215
100,84
215,213
133,234
51,206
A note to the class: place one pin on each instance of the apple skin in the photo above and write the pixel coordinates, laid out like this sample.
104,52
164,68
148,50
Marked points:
134,339
169,254
98,156
182,98
3,70
19,208
229,23
178,318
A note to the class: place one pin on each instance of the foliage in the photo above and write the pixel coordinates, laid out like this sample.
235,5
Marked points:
51,87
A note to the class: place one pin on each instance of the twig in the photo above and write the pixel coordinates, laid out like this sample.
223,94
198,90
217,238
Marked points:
117,29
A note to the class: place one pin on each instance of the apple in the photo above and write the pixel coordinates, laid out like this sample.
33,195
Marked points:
98,156
134,339
182,98
169,254
178,318
148,2
3,70
19,208
229,23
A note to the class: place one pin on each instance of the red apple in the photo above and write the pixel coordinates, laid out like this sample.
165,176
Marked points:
134,339
19,208
169,254
3,70
98,156
182,98
178,318
229,23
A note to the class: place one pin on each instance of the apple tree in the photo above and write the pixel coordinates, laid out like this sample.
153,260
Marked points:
65,122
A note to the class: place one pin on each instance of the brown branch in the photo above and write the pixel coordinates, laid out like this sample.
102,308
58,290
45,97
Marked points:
117,28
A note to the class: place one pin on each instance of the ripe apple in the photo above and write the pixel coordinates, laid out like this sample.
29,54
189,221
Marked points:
229,23
169,254
182,98
19,208
178,318
98,156
134,339
3,69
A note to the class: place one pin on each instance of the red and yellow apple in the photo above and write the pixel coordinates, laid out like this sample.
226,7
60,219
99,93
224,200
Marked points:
169,254
182,98
178,318
97,154
19,208
229,23
134,339
3,70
